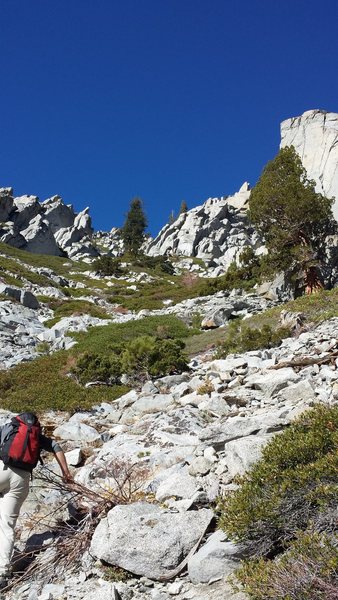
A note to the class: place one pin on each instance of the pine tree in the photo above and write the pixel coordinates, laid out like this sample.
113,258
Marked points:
171,218
134,227
293,219
184,207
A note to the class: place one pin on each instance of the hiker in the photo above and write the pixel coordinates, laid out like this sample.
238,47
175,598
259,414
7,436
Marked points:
21,441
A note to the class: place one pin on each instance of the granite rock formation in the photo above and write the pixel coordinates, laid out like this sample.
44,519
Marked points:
216,232
49,227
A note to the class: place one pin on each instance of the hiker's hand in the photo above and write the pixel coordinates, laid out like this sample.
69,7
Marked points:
67,478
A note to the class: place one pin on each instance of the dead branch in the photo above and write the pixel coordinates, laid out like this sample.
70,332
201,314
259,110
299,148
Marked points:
305,361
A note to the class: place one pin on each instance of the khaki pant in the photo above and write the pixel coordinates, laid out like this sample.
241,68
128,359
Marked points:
14,488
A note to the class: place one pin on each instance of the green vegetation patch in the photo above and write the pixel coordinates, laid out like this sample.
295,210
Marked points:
284,513
20,271
289,488
44,383
74,307
308,570
61,265
103,339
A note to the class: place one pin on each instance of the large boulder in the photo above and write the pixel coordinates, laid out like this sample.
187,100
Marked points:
25,209
241,454
148,540
25,297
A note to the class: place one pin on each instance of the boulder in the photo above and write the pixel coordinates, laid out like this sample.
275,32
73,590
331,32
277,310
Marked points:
25,209
241,454
146,539
25,297
179,484
58,214
272,382
77,432
218,434
214,560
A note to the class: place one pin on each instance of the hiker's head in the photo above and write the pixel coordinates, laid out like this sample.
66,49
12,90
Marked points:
29,418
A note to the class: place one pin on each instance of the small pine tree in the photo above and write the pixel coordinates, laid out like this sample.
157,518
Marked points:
184,207
133,230
171,218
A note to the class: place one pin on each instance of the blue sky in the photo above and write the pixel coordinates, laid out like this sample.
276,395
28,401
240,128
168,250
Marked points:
168,100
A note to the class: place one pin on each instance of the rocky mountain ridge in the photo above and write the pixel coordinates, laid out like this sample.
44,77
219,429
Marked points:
50,227
215,232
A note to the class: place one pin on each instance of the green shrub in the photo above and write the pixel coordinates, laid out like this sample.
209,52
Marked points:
136,356
160,263
147,356
74,307
107,266
308,570
167,358
98,367
294,482
240,337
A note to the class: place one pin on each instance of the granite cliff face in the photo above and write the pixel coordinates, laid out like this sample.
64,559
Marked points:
49,227
315,137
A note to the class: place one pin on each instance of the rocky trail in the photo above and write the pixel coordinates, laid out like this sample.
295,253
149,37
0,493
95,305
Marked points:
183,439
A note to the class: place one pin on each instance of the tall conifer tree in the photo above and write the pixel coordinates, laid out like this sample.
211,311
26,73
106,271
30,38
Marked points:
133,230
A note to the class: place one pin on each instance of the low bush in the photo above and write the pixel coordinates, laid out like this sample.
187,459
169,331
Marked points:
140,358
290,487
106,265
241,337
159,263
98,367
308,570
74,307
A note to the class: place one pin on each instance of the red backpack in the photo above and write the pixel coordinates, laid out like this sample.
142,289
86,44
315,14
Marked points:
21,446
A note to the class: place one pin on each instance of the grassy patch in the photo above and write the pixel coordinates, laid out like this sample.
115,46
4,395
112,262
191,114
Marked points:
18,270
74,307
102,339
60,265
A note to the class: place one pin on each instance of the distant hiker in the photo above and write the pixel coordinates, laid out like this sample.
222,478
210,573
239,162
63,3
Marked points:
21,441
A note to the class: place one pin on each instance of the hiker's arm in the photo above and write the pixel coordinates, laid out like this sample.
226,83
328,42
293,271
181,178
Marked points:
61,459
47,443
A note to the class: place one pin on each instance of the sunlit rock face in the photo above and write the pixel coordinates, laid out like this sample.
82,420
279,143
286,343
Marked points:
314,136
216,232
49,227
